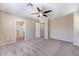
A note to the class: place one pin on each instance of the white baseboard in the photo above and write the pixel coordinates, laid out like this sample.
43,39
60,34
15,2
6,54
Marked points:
75,44
61,40
3,44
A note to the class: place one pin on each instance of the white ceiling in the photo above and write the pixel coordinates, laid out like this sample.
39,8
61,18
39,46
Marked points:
21,9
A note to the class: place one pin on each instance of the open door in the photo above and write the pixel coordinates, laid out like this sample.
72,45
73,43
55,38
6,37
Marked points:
20,34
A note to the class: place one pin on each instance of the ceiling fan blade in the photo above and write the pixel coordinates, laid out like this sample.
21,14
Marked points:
47,11
38,9
45,15
29,4
38,16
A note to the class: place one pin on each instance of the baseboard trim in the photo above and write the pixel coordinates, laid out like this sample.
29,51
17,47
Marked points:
75,44
3,44
61,40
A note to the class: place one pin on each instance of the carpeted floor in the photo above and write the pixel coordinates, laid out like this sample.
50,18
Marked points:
40,47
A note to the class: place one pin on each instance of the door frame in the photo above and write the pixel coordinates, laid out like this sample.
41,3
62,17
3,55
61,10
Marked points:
24,30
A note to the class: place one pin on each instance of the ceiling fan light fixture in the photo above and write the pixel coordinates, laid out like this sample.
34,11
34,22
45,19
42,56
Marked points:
40,14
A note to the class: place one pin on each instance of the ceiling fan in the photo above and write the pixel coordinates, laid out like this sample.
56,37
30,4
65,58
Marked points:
41,12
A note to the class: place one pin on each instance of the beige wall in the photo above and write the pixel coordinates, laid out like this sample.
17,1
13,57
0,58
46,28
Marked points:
30,29
62,28
8,28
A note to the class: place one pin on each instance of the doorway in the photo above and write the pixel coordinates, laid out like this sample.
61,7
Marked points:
42,30
20,33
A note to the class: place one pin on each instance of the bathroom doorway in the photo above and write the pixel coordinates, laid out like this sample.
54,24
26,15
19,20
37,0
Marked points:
20,33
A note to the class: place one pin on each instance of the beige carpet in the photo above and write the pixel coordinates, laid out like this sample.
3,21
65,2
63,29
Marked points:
40,47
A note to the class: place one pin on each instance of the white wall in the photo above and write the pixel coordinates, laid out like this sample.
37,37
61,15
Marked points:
46,29
37,30
62,28
76,28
